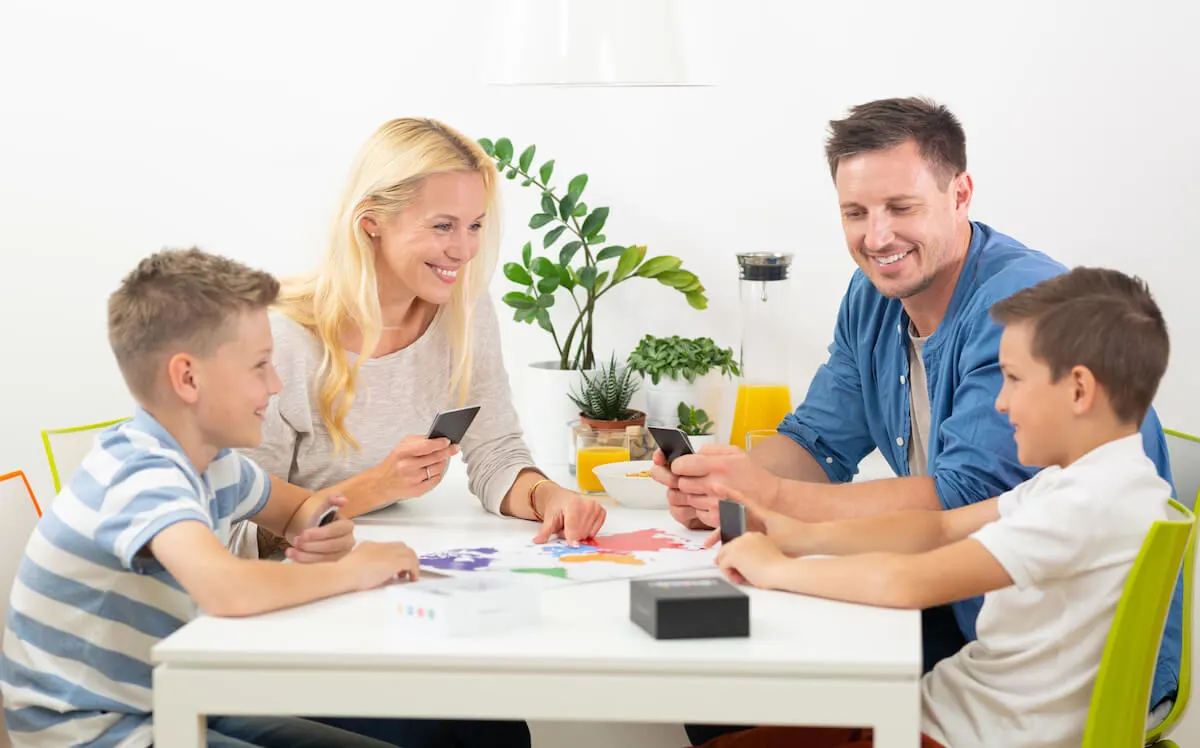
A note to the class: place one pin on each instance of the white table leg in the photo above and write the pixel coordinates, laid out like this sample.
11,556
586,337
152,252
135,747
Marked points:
898,719
176,723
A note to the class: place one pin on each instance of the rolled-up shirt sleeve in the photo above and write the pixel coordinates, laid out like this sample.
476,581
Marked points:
831,422
493,449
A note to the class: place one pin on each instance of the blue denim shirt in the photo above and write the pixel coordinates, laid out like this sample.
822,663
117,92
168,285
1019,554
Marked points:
858,401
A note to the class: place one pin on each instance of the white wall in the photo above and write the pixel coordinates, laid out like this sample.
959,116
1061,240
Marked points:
125,127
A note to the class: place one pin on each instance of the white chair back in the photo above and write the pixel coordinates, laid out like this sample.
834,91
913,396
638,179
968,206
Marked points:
1184,452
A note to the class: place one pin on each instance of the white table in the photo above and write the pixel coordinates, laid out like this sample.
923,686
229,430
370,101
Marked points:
807,661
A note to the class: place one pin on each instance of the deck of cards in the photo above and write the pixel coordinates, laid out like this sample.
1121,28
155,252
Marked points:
465,606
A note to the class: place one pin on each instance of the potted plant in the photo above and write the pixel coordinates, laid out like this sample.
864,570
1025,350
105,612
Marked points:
567,278
696,424
681,369
603,398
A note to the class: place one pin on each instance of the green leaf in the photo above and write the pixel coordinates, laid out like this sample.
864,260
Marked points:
512,174
655,265
565,206
545,301
546,171
539,220
488,146
597,239
693,286
526,254
610,252
601,278
519,300
504,149
594,222
580,210
552,236
544,268
526,182
548,205
697,300
576,187
568,253
525,315
543,320
549,284
517,274
587,277
527,158
676,278
630,259
567,279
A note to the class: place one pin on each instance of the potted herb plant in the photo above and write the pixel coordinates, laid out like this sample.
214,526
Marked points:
678,369
696,424
561,285
603,398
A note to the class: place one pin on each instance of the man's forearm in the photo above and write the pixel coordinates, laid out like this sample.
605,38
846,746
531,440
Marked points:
783,457
814,502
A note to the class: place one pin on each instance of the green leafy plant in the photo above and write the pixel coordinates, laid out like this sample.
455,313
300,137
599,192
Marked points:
581,268
605,395
681,358
694,422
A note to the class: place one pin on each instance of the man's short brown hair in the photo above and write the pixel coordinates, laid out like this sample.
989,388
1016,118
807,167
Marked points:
1098,318
179,297
886,123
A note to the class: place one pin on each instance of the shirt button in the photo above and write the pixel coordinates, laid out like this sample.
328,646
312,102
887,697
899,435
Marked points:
901,379
899,442
898,328
829,460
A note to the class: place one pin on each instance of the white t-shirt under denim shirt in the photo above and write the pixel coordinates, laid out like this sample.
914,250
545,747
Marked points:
1068,538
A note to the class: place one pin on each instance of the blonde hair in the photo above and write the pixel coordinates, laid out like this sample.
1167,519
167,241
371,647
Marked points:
386,178
179,297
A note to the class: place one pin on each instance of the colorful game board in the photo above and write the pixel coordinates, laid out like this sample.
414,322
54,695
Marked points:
620,555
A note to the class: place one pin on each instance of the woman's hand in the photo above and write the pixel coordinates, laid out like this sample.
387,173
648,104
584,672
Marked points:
413,467
570,515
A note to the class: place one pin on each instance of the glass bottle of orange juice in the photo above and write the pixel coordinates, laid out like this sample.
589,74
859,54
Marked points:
763,397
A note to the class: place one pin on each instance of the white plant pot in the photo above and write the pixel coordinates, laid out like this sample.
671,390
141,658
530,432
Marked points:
702,439
545,411
662,399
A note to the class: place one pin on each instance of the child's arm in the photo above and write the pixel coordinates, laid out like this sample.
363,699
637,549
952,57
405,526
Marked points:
224,585
898,580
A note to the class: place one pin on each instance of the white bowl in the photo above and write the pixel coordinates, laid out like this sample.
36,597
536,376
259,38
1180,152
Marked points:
634,492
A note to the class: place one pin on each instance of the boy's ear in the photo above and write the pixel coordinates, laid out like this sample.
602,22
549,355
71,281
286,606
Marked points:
181,375
1083,389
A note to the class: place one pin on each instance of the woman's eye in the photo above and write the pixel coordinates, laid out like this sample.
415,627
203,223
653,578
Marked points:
442,227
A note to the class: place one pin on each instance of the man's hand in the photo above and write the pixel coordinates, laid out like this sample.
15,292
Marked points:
752,559
570,515
691,480
313,545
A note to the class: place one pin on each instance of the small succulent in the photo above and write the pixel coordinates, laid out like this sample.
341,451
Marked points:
605,395
694,422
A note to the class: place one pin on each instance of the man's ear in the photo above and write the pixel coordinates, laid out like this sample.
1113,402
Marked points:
1084,389
182,376
964,189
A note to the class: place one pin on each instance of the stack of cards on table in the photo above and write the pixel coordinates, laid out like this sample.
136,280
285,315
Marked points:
465,606
689,608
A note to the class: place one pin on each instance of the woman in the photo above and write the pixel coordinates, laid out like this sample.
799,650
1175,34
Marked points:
395,325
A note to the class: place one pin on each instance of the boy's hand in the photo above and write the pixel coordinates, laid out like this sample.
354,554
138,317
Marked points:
374,564
788,534
572,516
752,559
313,544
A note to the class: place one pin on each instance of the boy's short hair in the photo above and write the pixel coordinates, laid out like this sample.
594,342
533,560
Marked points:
179,297
1098,318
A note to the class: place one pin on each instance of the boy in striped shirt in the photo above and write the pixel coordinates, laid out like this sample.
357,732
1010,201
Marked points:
135,543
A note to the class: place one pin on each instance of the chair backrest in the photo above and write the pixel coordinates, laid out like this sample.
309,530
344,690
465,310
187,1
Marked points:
1121,695
1184,452
66,448
19,513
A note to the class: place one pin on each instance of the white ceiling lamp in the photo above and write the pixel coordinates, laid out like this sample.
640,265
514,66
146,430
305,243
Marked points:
592,43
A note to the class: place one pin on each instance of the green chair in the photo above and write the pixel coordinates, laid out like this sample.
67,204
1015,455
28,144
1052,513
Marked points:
66,448
1117,713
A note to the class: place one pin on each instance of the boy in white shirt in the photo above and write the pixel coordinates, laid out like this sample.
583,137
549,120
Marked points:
136,540
1082,356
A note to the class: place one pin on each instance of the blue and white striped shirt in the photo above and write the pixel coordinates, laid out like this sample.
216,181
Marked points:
86,608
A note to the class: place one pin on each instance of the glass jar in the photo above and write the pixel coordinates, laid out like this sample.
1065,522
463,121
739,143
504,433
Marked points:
763,397
596,447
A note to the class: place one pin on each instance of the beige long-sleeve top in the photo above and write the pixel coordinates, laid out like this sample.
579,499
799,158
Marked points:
398,394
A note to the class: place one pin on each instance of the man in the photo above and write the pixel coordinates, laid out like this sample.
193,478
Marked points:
913,369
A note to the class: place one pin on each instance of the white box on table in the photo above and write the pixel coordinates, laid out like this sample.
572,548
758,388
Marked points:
482,603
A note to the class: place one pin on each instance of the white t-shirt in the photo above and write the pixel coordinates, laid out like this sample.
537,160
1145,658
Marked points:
1068,537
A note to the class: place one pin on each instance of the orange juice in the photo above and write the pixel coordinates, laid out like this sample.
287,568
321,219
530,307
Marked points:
759,406
588,459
